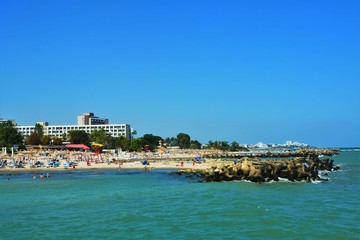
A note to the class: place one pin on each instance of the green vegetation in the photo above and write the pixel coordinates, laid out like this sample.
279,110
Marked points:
79,136
183,140
39,130
224,146
9,136
33,139
150,142
171,142
100,136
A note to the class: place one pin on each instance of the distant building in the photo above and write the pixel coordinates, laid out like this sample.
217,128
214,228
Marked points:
261,145
88,123
43,124
2,120
90,119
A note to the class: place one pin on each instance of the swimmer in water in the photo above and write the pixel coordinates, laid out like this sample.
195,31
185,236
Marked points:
42,177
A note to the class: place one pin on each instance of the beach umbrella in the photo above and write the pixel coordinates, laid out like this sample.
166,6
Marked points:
97,144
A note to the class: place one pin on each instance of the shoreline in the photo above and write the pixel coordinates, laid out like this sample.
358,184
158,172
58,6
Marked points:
54,161
133,165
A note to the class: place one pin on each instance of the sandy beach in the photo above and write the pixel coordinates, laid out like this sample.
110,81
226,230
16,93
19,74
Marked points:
70,161
153,164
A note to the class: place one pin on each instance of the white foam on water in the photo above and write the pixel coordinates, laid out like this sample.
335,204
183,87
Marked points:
284,180
316,181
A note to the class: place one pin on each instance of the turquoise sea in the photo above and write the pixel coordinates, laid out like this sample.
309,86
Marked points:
155,205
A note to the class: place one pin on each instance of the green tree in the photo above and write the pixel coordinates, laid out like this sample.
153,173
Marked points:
136,145
170,142
33,139
151,140
234,146
183,140
224,145
57,141
10,136
123,143
101,136
194,144
46,140
39,130
64,137
133,133
79,136
113,143
219,145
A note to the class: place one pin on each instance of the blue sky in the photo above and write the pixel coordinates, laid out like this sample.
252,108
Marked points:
244,71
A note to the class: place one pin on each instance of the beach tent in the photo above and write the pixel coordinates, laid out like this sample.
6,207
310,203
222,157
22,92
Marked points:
78,146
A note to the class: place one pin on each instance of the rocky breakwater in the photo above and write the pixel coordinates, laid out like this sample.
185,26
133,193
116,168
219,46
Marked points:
255,170
311,152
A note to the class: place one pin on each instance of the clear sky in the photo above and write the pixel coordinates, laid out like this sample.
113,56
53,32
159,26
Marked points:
242,70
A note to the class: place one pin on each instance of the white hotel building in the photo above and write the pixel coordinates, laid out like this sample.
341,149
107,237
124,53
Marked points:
114,130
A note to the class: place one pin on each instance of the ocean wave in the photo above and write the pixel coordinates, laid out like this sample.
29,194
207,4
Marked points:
317,181
284,180
350,150
247,181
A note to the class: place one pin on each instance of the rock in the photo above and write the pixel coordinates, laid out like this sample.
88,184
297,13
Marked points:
255,170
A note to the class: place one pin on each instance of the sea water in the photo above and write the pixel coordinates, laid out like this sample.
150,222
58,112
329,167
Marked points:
129,204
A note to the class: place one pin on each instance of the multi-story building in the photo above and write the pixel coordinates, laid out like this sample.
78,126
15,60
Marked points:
114,130
2,120
90,119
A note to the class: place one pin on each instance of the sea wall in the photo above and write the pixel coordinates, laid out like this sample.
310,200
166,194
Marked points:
255,170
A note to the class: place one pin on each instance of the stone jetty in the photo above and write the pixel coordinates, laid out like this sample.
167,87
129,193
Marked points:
256,170
312,152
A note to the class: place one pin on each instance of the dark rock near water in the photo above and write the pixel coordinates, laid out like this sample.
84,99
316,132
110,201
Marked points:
254,170
309,153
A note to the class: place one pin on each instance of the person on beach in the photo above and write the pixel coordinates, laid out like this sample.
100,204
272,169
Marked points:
120,163
145,163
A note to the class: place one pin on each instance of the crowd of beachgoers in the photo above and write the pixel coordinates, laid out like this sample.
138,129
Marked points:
55,159
71,159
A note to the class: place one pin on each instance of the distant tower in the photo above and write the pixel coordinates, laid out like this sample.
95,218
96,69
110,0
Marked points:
43,124
89,118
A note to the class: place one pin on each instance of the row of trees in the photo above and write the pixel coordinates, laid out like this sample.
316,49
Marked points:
225,146
9,136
